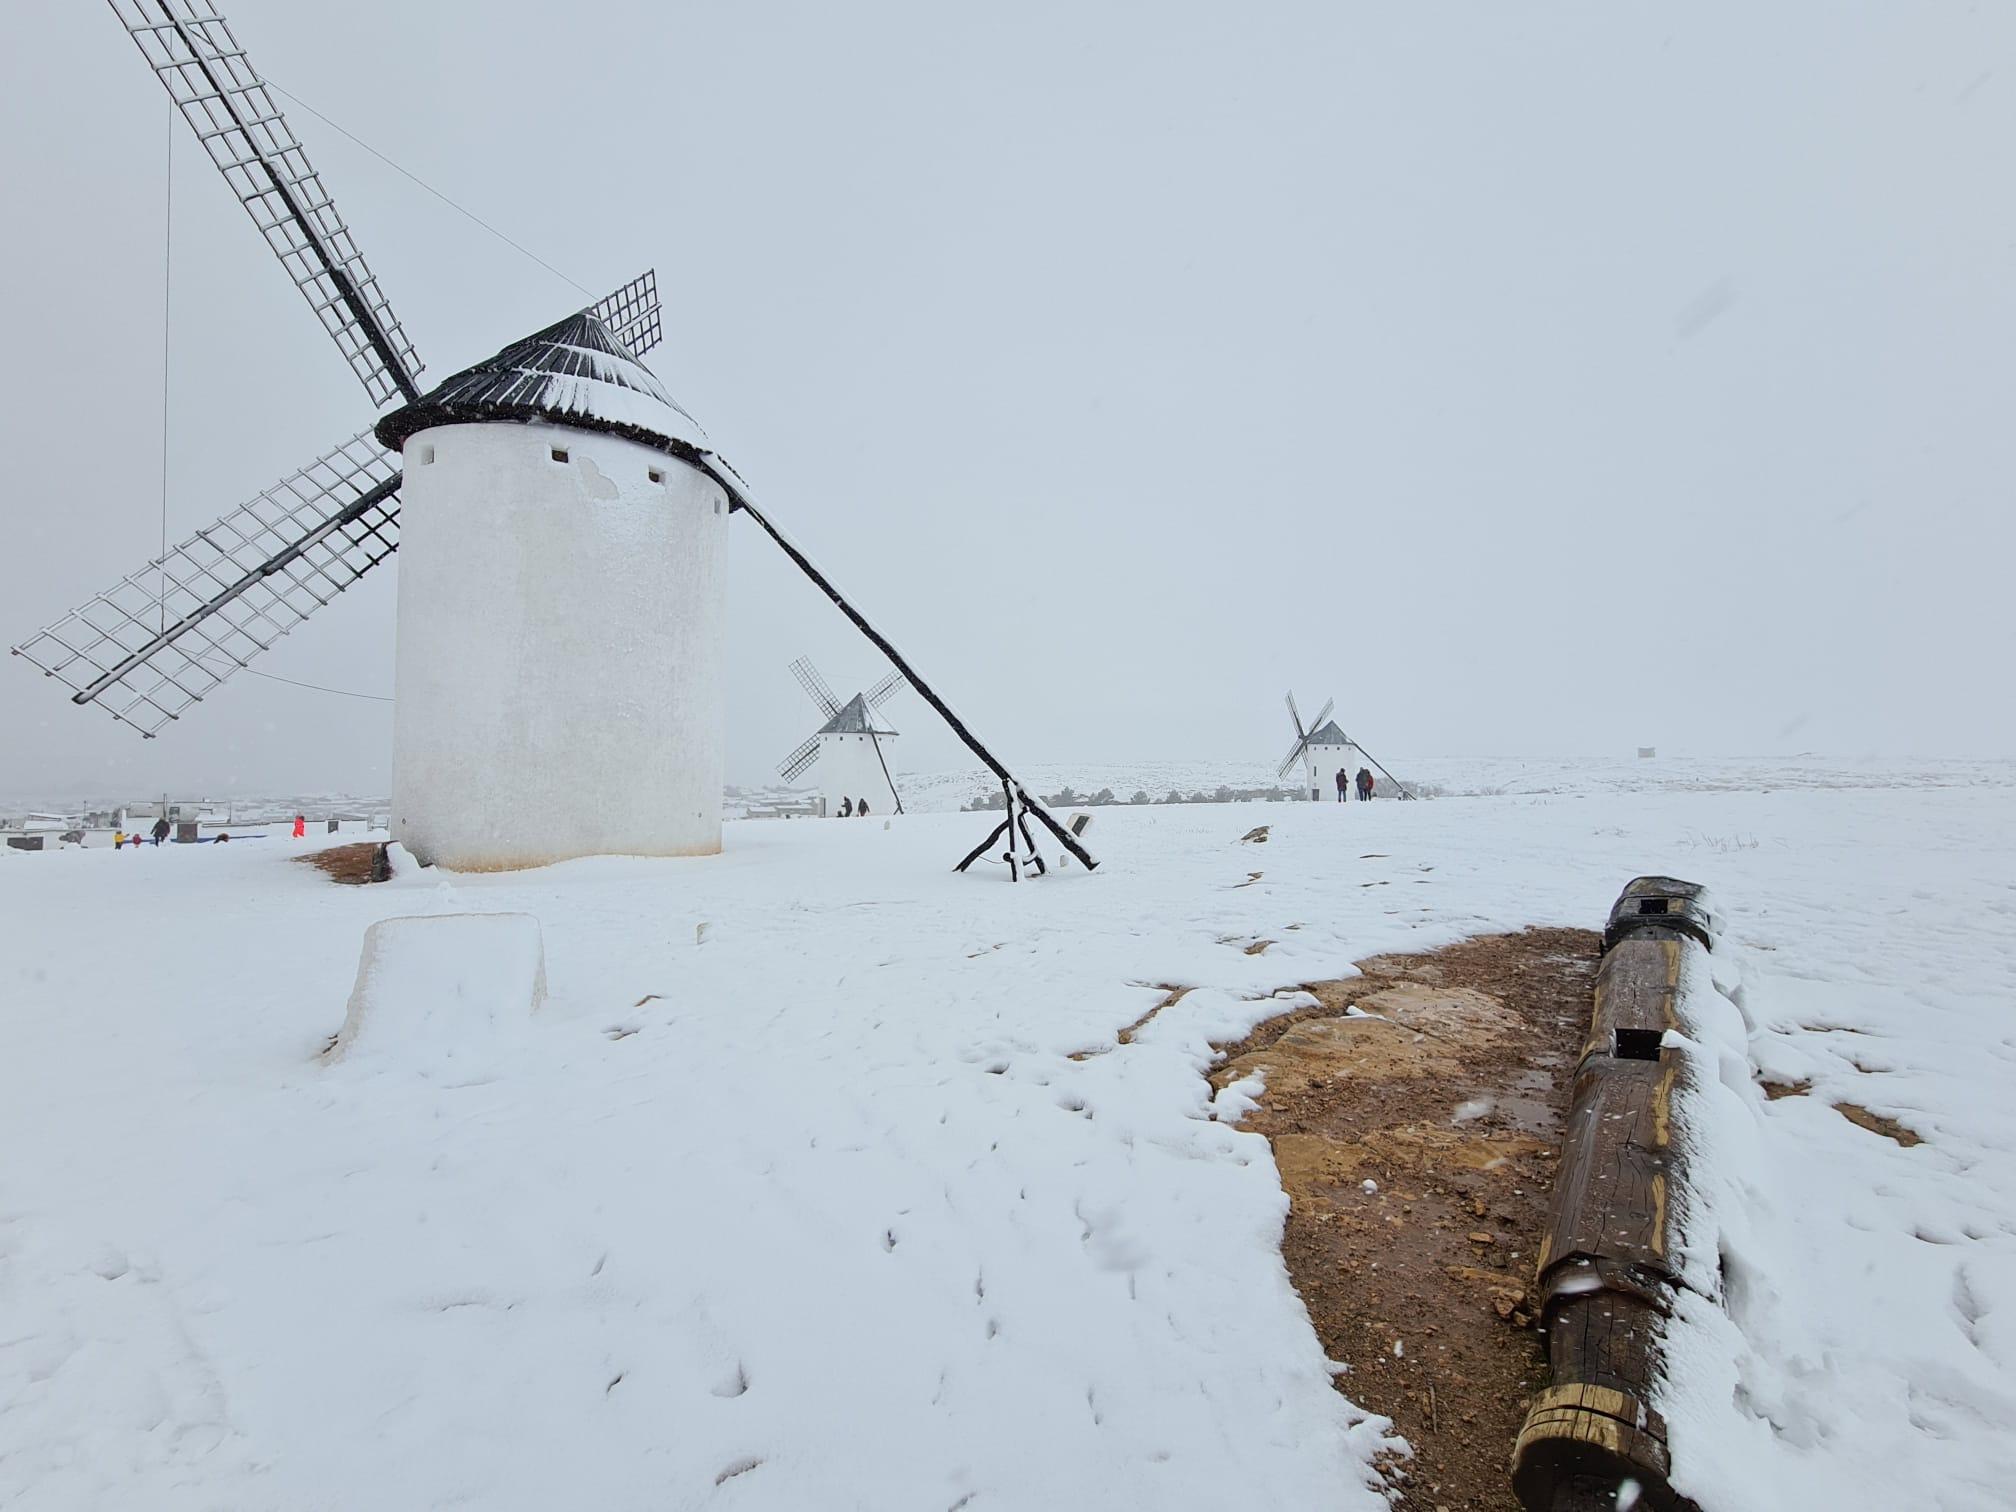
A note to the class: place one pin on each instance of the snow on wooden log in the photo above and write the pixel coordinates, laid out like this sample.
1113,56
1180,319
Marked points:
1607,1265
437,996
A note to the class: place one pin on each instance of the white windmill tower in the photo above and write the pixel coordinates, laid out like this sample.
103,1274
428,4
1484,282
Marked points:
562,567
1321,750
851,749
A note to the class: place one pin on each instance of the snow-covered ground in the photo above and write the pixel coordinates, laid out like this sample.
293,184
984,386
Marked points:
801,1188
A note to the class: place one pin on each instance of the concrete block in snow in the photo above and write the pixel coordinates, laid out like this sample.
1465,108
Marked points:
439,994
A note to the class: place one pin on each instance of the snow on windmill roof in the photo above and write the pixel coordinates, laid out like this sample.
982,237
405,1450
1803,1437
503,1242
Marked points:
855,718
1327,734
575,372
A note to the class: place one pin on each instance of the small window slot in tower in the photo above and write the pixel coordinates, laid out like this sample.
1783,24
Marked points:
1638,1044
657,476
559,454
423,454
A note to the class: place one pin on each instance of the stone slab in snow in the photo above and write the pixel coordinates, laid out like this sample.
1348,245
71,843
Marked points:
439,994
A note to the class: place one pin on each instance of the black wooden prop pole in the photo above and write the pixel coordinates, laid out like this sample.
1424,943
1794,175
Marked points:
1382,771
982,848
729,480
885,765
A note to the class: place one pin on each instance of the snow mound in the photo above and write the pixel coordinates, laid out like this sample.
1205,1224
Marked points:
438,995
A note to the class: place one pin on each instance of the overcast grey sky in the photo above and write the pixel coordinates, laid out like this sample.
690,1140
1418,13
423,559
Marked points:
1531,378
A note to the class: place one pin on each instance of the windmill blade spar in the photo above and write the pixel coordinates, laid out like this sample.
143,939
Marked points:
1294,755
213,84
1321,715
1295,714
166,636
886,689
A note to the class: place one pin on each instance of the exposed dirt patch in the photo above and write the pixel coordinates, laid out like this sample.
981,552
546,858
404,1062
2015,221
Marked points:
1877,1123
1855,1113
1415,1115
1175,994
352,865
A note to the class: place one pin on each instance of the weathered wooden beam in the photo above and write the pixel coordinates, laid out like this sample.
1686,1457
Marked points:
1607,1274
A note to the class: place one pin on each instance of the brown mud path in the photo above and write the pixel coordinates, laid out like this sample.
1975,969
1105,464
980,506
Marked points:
1415,1118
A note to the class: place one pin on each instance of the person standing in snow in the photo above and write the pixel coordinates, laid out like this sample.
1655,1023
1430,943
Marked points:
300,826
846,808
118,838
1343,779
160,829
861,808
1364,784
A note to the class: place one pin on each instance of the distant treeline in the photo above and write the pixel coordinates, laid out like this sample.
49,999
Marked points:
1066,798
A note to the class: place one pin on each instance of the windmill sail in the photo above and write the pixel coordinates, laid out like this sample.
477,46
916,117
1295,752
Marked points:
815,686
1299,750
631,313
799,760
164,637
192,51
884,690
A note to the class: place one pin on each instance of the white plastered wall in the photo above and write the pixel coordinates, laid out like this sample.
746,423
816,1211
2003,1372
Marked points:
848,768
559,666
1328,759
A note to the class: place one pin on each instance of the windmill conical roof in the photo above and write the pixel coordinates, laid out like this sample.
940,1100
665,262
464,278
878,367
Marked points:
856,717
1328,734
575,372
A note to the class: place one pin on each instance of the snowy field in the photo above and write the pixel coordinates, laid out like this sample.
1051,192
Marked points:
820,1181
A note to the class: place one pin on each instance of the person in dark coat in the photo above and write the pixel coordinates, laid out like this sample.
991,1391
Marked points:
1343,784
861,808
160,831
846,808
1364,784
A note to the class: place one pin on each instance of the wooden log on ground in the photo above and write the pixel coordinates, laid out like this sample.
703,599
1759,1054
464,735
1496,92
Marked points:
1661,903
1606,1273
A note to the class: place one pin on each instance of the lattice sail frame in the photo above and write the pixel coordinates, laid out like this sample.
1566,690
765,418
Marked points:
631,313
192,51
816,687
798,761
164,637
885,689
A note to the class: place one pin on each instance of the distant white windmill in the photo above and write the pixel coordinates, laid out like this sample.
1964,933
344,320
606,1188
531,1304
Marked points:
851,749
1321,749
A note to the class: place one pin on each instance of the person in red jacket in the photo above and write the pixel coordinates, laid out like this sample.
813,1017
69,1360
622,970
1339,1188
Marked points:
300,826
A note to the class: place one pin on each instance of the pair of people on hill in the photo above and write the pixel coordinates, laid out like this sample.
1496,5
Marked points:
850,809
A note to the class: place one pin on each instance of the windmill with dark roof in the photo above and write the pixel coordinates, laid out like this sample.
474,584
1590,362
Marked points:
851,749
561,519
1321,750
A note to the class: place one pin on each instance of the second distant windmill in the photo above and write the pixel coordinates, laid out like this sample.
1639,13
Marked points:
850,748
